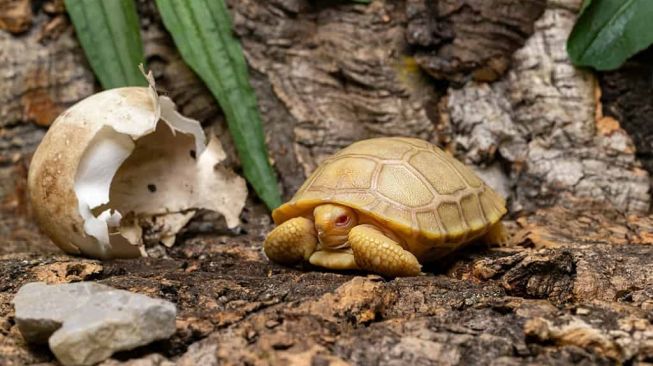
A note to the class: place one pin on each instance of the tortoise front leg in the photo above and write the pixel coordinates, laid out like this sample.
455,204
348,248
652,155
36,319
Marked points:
376,252
291,242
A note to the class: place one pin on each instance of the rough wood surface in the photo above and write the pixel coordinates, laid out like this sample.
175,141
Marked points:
573,289
458,40
544,122
627,95
15,15
330,73
541,123
340,71
40,77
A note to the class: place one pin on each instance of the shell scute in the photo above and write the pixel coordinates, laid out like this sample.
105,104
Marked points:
388,150
471,209
346,173
441,175
490,209
452,221
428,222
398,215
472,179
399,184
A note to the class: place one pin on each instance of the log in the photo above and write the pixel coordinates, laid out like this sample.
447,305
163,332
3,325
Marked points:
628,97
458,40
544,124
572,288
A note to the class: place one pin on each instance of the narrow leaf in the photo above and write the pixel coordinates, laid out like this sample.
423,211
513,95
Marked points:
610,31
110,36
202,32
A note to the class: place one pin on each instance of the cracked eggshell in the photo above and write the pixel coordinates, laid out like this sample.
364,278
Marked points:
126,153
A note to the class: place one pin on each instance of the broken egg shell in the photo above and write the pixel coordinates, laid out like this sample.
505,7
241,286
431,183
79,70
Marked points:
81,158
54,166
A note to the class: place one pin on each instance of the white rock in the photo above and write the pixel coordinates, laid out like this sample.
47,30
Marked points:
87,322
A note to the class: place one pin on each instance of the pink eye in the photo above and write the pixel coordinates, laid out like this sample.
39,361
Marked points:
342,220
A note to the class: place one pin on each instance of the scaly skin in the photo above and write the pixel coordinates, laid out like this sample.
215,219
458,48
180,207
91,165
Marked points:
344,245
291,242
341,259
377,253
366,247
497,236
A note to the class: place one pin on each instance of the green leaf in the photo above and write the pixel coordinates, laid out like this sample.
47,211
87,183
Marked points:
110,36
584,5
609,31
202,32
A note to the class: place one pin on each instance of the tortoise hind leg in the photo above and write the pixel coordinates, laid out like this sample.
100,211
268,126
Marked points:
376,252
291,242
497,235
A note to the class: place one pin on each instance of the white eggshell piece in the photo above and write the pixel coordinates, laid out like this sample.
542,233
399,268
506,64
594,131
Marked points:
121,159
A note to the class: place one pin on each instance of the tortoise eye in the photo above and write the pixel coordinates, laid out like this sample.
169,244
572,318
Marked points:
342,220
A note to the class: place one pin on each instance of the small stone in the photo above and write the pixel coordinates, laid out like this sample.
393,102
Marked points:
149,360
647,305
272,323
582,311
85,322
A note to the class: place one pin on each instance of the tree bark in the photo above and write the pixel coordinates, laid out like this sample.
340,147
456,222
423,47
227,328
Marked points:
628,97
461,39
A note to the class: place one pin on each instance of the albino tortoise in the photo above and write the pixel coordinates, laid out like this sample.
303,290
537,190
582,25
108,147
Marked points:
385,205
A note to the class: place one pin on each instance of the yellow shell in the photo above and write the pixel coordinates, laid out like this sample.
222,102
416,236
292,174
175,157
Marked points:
406,185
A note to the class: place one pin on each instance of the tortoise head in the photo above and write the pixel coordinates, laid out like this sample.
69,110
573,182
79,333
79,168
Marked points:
333,223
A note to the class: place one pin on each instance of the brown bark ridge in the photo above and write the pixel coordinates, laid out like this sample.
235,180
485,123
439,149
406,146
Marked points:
341,72
544,120
627,95
41,76
573,289
15,15
461,39
539,122
330,73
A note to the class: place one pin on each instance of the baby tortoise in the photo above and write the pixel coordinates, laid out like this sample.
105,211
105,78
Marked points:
385,205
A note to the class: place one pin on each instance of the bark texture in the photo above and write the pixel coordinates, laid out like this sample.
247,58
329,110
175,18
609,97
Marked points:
627,95
15,15
43,73
461,39
571,289
544,121
341,72
330,73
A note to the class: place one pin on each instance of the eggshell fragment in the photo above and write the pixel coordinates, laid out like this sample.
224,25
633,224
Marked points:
121,165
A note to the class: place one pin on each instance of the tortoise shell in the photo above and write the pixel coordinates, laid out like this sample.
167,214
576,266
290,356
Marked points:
409,186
